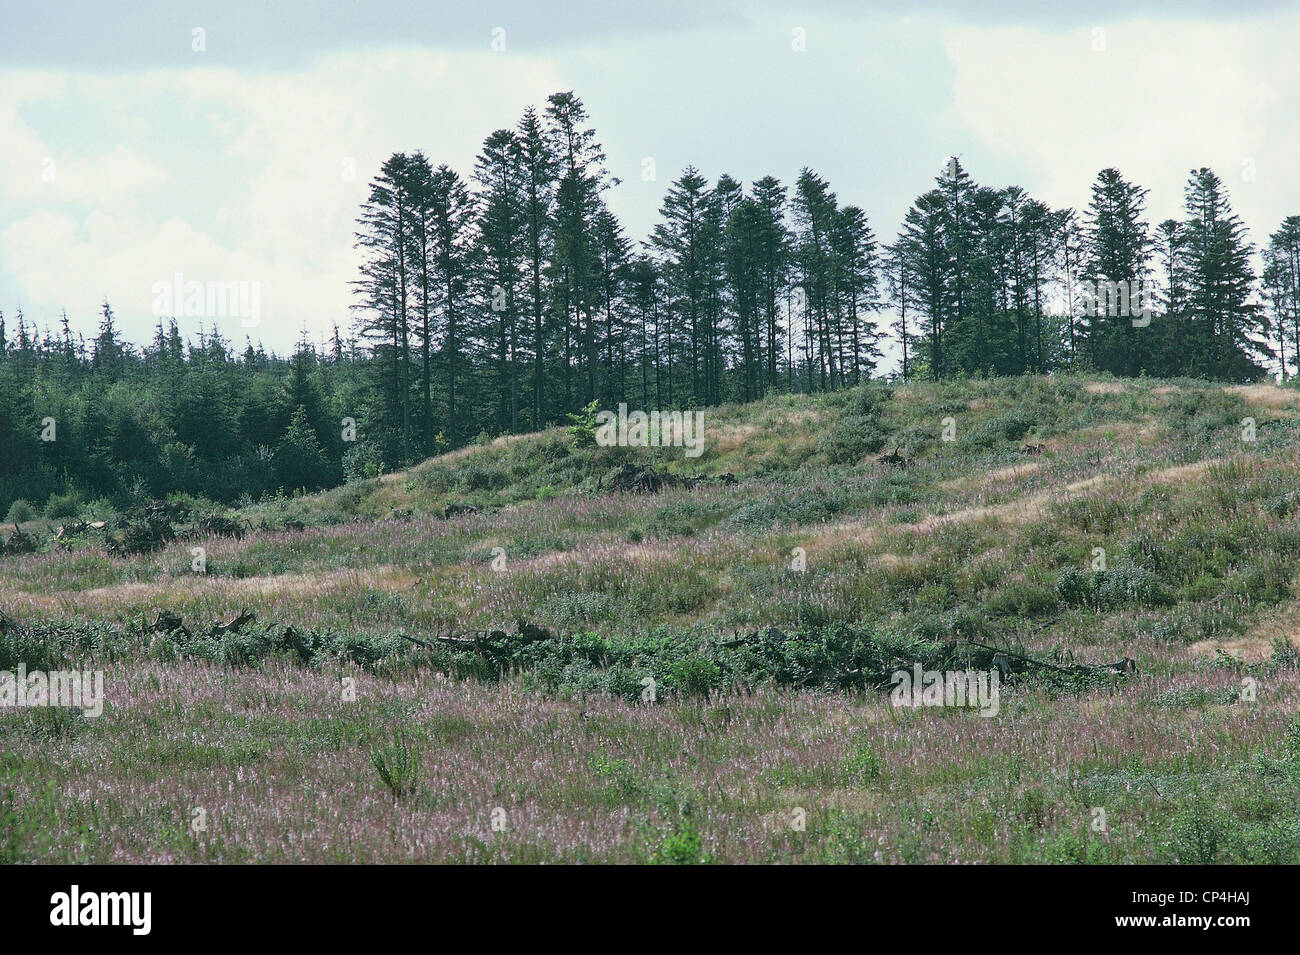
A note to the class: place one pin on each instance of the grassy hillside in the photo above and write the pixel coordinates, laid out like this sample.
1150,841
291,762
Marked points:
563,598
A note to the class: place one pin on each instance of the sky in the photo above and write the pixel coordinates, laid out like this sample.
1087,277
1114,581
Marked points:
148,145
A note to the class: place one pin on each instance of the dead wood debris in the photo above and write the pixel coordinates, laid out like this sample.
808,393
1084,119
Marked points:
647,479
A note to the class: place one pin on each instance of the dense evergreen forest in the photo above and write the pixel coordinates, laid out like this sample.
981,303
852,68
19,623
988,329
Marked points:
503,299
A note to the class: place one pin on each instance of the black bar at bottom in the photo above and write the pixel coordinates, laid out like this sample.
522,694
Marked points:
363,904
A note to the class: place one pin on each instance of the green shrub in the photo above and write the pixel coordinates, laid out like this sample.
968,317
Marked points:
1182,698
20,511
1073,849
62,506
1075,586
1199,831
684,846
852,439
1126,584
1129,583
1273,843
1011,426
814,506
1292,739
437,478
1021,598
1199,415
869,398
583,425
695,676
362,461
12,835
574,609
483,477
864,765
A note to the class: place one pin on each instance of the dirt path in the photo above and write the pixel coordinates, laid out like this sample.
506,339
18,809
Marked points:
1019,511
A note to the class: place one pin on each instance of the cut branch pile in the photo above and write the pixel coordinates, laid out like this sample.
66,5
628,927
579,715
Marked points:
646,479
19,542
170,623
484,639
1009,663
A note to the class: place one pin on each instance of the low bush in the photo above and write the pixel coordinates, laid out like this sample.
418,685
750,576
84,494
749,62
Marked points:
20,511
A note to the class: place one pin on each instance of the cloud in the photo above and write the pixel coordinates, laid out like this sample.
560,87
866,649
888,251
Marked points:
225,173
1155,99
230,176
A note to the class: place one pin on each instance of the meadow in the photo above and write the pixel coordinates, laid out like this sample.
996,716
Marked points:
419,687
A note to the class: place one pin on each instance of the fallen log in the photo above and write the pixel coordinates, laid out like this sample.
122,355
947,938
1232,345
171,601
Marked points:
419,643
235,625
1002,661
632,478
531,633
169,621
456,640
895,458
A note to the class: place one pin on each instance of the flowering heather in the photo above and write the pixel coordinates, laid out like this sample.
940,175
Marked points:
694,675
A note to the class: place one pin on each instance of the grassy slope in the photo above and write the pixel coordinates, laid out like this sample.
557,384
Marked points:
973,540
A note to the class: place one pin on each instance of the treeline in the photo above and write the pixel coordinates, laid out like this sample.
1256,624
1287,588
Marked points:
84,421
978,268
502,300
511,296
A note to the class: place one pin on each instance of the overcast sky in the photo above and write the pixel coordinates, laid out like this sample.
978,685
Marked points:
127,156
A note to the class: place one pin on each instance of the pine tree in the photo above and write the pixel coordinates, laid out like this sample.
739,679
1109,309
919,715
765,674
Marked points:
679,242
502,203
773,251
815,208
299,460
417,184
1171,257
1220,281
581,181
538,169
109,351
857,263
453,214
744,269
1116,247
926,275
1282,284
1042,236
645,297
612,256
955,189
384,236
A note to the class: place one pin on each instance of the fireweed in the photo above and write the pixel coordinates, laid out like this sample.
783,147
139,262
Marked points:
967,534
73,689
658,429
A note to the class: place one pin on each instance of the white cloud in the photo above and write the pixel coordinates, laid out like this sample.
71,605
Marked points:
261,196
225,175
1162,98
